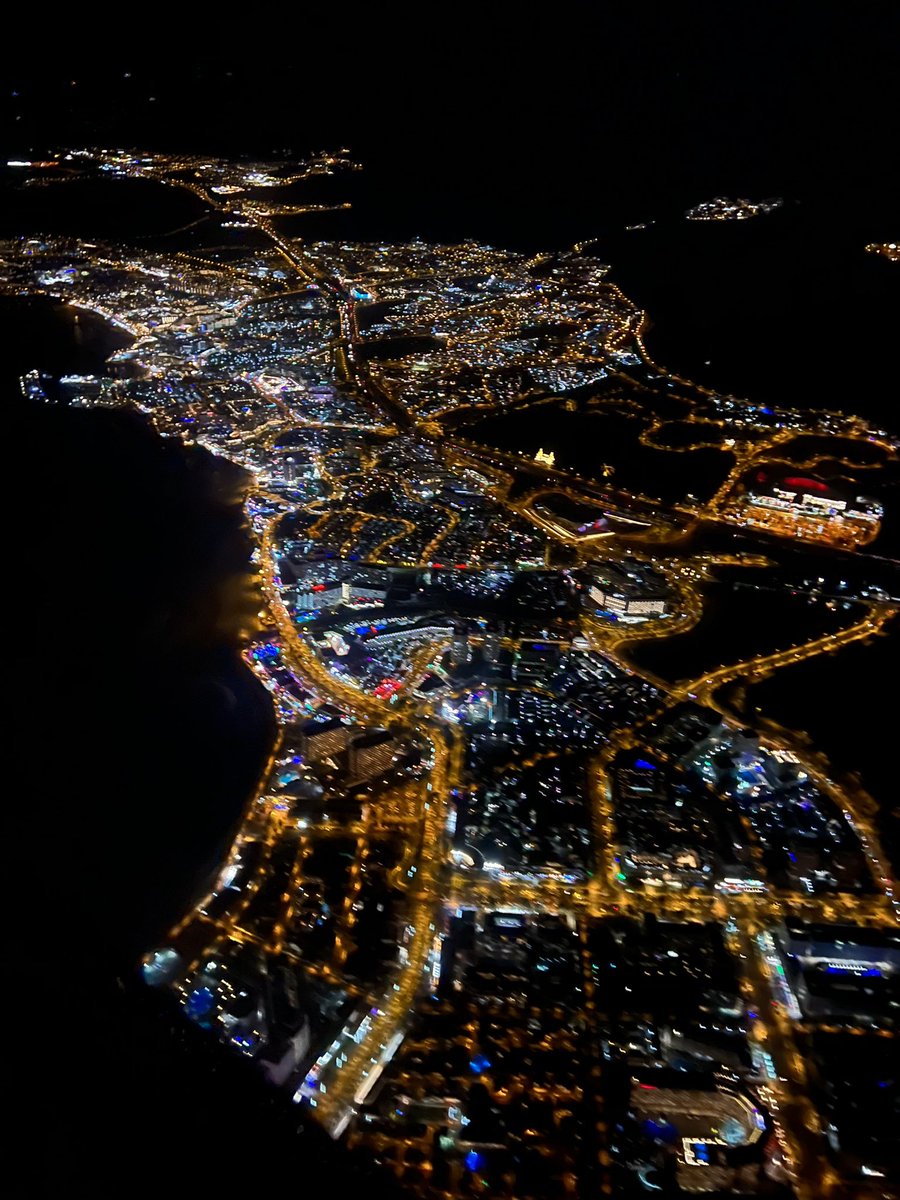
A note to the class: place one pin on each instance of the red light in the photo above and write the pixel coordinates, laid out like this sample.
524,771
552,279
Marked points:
318,587
801,481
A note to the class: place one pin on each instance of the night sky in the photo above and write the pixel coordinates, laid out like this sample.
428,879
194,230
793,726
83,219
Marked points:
496,115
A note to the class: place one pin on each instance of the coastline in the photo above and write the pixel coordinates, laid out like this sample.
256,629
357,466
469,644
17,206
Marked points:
149,539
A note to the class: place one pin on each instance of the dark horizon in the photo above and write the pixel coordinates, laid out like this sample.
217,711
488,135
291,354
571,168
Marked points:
631,107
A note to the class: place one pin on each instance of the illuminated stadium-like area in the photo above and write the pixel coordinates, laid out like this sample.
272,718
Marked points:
794,504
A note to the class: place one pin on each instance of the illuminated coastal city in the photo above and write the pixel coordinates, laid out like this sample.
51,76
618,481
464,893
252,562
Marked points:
515,908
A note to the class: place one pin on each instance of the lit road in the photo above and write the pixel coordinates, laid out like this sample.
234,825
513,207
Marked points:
703,687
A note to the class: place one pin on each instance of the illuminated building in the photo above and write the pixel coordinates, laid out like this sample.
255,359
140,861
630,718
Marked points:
355,593
720,1132
628,590
841,972
320,596
535,661
323,739
372,754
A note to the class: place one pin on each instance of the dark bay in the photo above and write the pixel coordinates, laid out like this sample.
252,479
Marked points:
131,551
